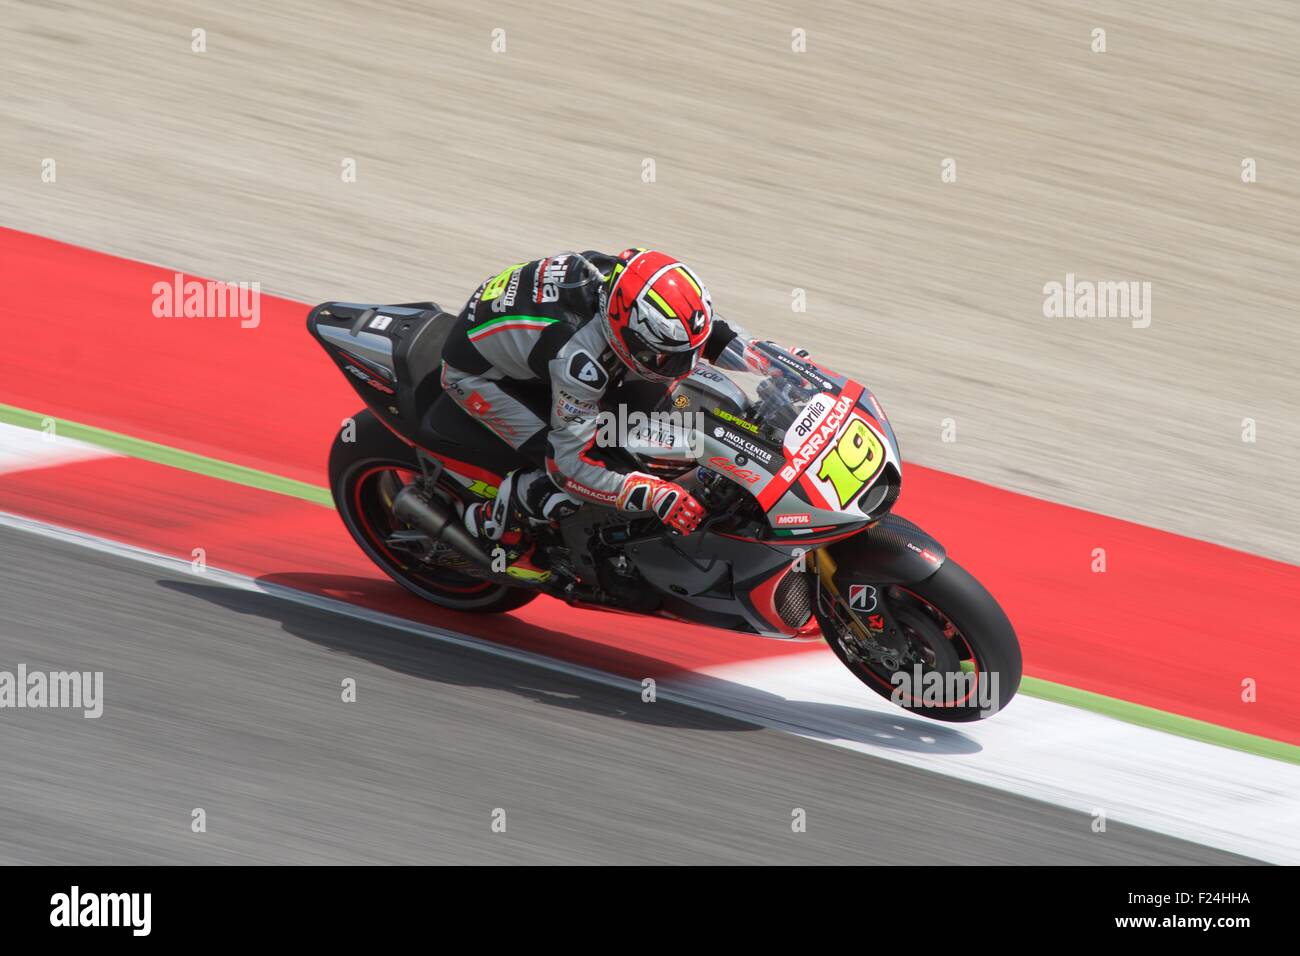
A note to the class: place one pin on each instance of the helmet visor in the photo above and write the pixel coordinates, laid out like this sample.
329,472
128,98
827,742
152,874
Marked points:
669,364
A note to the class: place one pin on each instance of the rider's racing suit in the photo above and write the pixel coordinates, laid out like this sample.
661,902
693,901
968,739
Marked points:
529,359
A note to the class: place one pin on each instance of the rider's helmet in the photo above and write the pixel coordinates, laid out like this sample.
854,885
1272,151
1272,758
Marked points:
656,315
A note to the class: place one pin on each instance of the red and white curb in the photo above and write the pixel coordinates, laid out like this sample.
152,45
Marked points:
22,449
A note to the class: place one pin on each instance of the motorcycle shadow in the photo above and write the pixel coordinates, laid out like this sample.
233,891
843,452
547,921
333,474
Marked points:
441,662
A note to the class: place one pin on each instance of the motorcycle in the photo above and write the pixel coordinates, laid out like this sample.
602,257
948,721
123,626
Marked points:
797,467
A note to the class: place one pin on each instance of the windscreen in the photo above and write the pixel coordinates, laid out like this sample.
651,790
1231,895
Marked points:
779,389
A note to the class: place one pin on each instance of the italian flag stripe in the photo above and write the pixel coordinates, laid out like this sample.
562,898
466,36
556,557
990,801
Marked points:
510,322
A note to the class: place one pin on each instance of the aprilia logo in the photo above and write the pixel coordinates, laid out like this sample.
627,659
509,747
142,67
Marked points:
816,408
550,275
829,426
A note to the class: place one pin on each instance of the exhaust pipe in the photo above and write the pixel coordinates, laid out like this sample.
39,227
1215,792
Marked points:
441,524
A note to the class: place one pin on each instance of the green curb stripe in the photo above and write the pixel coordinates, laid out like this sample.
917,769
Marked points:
1155,719
1124,710
166,455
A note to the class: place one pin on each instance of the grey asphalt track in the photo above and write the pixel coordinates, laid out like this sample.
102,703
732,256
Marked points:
774,170
230,701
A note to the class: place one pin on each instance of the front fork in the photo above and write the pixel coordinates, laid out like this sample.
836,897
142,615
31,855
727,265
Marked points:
873,636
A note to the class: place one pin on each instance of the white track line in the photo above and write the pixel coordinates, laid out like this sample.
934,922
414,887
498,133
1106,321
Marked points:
1072,758
22,449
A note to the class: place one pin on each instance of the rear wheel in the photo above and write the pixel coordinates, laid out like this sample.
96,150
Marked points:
365,476
941,647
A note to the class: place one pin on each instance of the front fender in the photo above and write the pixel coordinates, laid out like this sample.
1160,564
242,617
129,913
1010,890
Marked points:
890,551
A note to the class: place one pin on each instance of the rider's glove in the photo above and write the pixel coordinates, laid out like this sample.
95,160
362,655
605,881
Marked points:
672,503
757,362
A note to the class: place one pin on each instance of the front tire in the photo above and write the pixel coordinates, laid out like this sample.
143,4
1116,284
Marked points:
365,475
949,627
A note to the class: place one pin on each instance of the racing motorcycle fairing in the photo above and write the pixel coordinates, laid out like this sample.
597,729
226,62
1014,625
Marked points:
797,469
760,589
770,435
891,550
813,448
388,353
391,354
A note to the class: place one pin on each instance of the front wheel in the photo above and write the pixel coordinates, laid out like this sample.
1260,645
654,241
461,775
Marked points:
941,647
366,474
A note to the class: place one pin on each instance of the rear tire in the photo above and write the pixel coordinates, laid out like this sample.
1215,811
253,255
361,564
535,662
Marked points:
365,474
980,640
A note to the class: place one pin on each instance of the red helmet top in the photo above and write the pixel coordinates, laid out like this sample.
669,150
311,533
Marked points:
657,315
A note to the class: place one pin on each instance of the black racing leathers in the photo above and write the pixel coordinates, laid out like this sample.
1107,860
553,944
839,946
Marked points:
537,323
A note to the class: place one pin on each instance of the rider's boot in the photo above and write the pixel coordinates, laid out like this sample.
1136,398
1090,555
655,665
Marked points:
524,496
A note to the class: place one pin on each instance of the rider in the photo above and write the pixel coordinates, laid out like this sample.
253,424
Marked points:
536,348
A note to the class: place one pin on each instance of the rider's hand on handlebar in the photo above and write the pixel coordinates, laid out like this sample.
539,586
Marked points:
669,501
678,509
757,362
